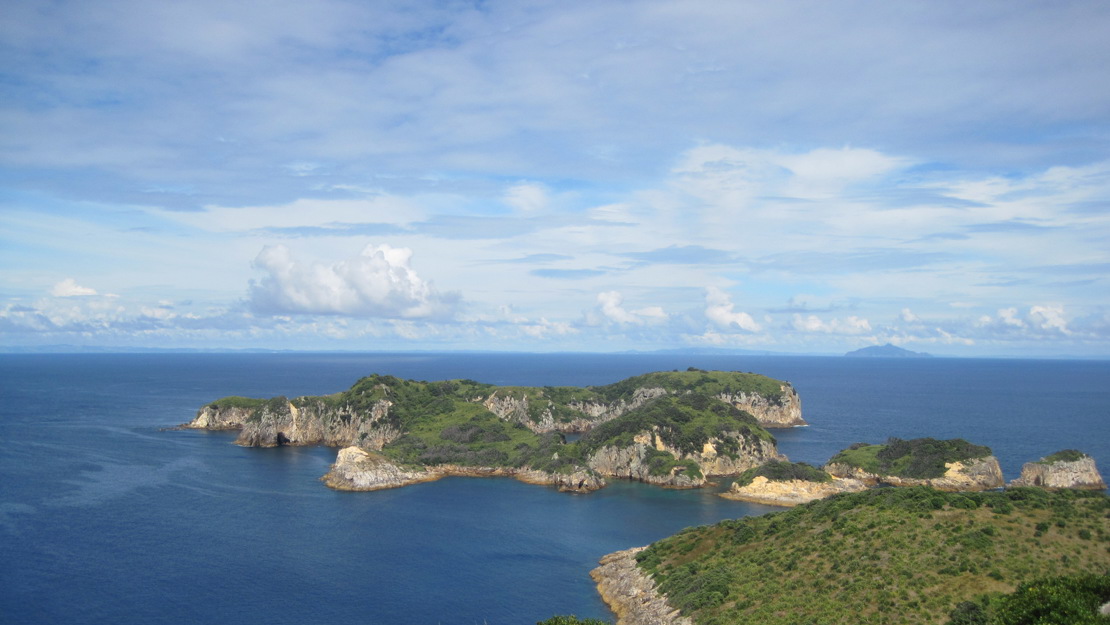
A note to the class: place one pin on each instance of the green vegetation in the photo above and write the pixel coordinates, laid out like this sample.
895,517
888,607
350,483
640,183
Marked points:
696,381
1067,455
920,458
237,402
1071,600
896,555
571,620
447,422
682,422
779,471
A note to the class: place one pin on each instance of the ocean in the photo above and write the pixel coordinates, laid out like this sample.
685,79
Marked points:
107,516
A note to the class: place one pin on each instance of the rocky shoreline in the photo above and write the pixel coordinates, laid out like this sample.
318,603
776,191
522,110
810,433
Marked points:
356,469
631,594
791,493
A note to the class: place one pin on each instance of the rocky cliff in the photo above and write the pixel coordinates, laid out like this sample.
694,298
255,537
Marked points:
357,469
784,411
641,460
631,594
968,475
303,421
791,492
1074,470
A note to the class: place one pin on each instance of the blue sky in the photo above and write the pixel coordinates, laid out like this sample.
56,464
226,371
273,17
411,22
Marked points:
804,177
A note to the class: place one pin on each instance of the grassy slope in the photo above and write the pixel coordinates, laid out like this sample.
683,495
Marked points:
905,555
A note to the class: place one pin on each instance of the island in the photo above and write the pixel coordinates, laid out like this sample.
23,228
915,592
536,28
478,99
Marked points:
886,351
677,429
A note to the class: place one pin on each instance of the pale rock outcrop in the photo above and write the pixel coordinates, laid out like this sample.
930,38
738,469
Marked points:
216,417
600,411
633,461
1081,474
631,594
969,475
771,412
318,423
357,469
510,408
791,492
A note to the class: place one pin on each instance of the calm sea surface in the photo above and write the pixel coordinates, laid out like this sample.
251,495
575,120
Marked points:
107,518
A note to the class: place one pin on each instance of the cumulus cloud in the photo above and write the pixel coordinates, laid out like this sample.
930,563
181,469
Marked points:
849,325
379,282
70,288
719,310
611,306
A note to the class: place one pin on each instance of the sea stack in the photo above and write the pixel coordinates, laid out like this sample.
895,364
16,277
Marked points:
1064,469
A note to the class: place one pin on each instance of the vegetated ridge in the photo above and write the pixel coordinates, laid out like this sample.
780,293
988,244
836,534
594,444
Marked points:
895,555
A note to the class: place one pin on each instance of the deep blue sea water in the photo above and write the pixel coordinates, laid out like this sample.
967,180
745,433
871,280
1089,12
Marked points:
106,517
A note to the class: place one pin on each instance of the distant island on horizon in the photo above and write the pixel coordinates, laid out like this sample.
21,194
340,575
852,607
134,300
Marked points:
886,351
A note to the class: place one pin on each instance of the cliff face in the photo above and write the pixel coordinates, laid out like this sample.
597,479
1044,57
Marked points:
311,423
600,411
791,492
784,412
1081,473
969,475
357,469
214,417
634,461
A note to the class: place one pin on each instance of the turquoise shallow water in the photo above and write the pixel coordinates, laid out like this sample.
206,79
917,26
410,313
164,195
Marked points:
106,517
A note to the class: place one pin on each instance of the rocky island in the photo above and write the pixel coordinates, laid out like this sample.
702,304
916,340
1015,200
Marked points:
675,429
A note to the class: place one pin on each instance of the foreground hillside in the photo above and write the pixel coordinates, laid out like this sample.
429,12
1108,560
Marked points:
894,555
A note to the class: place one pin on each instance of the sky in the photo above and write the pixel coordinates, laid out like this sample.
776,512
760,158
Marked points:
789,177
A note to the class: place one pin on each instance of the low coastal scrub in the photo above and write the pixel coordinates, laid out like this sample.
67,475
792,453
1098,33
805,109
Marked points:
711,383
780,471
919,458
1071,600
1067,455
893,555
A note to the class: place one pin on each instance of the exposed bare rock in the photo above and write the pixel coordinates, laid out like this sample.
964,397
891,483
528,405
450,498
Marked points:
633,461
791,492
317,423
1081,473
771,412
631,594
216,417
361,470
969,475
600,411
358,469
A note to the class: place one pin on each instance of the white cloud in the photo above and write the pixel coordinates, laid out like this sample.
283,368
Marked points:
527,197
813,323
1049,318
611,306
719,310
379,282
70,288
